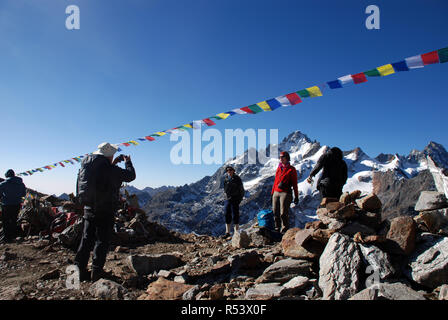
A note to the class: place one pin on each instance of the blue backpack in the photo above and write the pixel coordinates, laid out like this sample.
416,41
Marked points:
266,219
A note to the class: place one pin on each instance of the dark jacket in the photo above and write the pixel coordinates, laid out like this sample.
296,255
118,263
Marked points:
233,187
11,191
334,168
108,180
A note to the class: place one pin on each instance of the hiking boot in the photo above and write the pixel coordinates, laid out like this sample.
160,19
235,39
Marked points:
101,274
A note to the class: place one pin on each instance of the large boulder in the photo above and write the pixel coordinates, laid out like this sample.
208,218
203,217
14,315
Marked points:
284,270
388,291
291,248
296,284
340,263
379,260
107,290
265,291
401,235
435,221
240,239
428,265
370,203
163,289
146,264
431,200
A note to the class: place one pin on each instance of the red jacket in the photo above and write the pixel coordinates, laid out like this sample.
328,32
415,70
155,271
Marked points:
289,178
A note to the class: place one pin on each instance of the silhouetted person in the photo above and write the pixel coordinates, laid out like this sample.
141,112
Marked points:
11,192
98,187
334,173
233,187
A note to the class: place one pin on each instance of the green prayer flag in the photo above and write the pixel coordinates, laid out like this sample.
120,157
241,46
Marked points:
443,55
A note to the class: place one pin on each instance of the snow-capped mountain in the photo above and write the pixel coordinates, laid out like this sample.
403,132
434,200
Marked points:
198,207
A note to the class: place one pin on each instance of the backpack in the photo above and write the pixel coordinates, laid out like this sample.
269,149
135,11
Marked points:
86,182
266,219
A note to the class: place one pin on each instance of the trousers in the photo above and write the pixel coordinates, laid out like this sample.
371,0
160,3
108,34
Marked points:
281,201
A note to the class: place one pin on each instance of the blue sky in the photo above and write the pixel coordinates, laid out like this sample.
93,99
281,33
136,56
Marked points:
139,66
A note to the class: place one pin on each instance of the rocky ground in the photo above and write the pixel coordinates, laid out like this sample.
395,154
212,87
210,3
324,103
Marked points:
349,253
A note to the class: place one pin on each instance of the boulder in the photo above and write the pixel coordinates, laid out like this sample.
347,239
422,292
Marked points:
428,265
259,237
370,203
435,221
107,290
334,206
163,289
388,291
296,284
443,293
401,235
147,264
284,270
240,239
330,222
248,260
431,200
379,260
292,249
340,263
216,292
191,293
302,236
317,224
265,291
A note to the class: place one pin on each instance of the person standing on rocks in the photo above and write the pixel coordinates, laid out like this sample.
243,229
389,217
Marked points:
233,187
334,173
98,186
285,179
11,192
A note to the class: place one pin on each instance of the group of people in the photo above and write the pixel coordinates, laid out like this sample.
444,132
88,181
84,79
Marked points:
98,191
330,184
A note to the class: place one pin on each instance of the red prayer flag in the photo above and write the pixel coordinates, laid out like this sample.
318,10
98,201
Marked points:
208,122
126,144
430,57
359,78
247,109
293,98
150,138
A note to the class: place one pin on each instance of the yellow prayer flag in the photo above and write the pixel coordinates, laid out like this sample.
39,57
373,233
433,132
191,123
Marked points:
161,133
314,91
223,115
264,105
386,70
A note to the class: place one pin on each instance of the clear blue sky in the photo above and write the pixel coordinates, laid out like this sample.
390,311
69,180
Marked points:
139,66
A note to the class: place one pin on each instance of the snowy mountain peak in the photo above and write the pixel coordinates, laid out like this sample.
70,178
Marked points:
437,153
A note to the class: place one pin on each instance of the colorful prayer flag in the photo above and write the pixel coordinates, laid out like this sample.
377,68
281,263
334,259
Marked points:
400,66
386,70
208,122
346,80
264,105
273,104
293,98
314,91
335,84
414,62
430,57
359,78
443,55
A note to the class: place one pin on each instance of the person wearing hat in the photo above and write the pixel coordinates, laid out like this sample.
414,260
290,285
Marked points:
233,187
285,179
334,174
98,187
11,192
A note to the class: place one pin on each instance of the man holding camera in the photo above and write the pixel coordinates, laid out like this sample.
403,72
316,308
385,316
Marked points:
98,186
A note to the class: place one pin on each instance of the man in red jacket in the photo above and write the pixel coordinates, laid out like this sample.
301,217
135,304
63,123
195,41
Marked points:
285,178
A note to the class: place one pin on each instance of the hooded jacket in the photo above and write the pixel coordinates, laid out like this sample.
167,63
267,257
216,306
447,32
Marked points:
11,191
334,168
285,179
233,187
